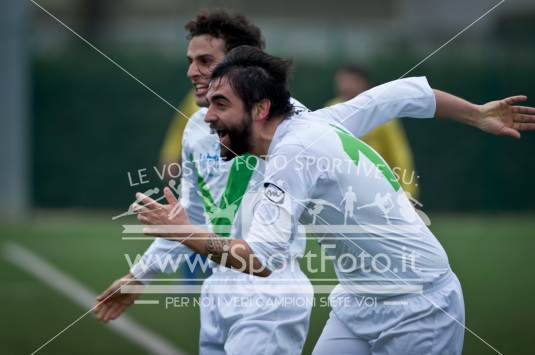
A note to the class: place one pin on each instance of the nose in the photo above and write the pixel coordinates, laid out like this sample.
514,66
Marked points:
193,70
210,117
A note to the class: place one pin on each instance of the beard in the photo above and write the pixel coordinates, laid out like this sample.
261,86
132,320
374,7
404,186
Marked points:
235,140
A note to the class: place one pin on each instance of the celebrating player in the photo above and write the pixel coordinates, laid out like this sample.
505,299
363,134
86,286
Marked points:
213,188
257,112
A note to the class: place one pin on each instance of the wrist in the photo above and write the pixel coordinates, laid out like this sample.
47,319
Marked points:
194,238
131,278
478,116
472,115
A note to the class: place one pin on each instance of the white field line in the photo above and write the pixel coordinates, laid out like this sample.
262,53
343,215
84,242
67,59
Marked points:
82,296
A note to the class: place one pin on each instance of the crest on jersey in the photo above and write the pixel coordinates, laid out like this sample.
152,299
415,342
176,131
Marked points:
273,193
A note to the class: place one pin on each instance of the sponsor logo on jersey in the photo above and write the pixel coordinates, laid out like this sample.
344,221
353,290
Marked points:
209,157
274,193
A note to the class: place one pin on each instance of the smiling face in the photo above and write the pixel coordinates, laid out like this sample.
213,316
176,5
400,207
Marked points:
204,53
227,116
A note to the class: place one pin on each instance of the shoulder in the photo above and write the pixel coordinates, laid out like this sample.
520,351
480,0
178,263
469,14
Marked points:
197,116
196,129
298,107
301,133
196,122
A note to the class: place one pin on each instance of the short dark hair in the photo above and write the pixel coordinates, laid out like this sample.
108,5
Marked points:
234,29
255,75
355,70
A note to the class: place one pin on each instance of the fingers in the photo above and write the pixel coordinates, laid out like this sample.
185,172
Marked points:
137,208
524,126
111,310
108,292
118,311
147,201
170,196
101,310
174,211
98,307
143,219
524,118
524,109
506,131
513,99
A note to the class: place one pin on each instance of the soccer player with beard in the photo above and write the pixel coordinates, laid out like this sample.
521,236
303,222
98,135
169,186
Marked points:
249,100
212,188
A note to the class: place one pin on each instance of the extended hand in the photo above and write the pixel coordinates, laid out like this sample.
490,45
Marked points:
112,303
153,213
503,119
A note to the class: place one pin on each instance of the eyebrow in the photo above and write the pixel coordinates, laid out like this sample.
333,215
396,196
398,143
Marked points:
218,97
201,56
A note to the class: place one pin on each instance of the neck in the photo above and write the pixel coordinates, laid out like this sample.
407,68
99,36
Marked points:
263,135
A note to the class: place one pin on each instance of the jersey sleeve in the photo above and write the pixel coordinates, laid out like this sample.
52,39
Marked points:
281,201
162,256
409,97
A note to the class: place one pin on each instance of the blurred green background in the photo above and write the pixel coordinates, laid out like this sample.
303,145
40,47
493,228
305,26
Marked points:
90,115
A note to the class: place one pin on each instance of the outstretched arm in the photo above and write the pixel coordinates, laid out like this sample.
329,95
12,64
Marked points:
499,117
413,97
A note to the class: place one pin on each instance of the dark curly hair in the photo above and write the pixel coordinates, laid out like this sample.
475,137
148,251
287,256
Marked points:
255,75
234,29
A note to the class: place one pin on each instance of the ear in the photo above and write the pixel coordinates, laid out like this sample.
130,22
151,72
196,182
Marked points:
261,110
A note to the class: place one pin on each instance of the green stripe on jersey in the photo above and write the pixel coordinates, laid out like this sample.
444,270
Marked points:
352,147
240,174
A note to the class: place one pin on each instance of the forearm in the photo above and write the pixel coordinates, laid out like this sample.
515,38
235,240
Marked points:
457,109
232,253
160,250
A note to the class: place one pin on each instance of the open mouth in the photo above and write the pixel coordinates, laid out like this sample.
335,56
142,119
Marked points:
200,89
224,138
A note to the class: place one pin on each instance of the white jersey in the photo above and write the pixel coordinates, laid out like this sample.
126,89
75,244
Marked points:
212,189
321,175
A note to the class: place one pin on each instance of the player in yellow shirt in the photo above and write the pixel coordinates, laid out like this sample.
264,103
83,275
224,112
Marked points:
389,139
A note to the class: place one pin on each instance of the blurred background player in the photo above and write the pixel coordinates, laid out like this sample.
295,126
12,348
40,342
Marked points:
389,139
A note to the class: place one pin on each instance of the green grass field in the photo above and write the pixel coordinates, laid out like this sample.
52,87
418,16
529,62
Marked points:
492,256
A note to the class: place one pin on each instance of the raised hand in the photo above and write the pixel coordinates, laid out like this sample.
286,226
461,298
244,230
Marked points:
502,118
153,213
